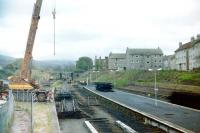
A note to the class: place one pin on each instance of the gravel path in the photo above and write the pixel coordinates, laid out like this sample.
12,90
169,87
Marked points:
21,123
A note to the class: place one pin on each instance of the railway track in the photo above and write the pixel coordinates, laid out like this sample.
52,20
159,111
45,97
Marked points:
104,125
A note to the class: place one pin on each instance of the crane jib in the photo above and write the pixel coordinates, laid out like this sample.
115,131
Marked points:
25,69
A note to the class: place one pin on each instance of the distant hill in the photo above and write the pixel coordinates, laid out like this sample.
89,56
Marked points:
52,63
9,65
5,60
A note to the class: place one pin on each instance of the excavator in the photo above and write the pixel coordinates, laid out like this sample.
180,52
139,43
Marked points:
23,81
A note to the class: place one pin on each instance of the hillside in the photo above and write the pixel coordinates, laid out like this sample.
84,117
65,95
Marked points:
5,60
9,66
189,81
47,64
10,69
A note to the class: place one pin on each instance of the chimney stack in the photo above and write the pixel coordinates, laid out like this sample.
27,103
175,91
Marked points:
180,44
192,39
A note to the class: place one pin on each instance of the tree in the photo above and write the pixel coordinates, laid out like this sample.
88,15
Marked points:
84,63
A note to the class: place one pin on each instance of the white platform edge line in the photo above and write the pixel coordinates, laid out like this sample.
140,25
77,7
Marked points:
124,126
184,130
90,127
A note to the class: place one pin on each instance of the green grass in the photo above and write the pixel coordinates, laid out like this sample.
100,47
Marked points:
57,84
187,81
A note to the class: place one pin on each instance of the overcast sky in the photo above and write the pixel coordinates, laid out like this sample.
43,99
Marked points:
97,27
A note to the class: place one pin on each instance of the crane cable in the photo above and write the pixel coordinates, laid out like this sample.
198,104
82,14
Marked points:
54,27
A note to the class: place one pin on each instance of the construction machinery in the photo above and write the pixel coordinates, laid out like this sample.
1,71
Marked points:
23,81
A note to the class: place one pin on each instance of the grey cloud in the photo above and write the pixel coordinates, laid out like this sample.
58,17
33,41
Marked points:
2,8
74,36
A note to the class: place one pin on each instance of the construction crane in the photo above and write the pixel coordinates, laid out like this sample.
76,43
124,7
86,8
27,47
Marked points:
23,81
25,71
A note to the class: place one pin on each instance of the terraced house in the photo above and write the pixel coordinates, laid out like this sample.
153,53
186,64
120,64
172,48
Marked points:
101,64
187,56
136,59
117,61
144,58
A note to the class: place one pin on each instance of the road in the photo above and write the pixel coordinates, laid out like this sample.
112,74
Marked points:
178,115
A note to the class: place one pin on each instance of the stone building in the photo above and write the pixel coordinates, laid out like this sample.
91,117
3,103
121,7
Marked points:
101,64
187,56
144,58
182,56
117,61
169,62
194,54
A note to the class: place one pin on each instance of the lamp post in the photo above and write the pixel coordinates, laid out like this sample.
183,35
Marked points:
88,80
90,77
155,84
97,75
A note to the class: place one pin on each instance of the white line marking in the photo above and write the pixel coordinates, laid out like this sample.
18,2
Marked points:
177,127
90,127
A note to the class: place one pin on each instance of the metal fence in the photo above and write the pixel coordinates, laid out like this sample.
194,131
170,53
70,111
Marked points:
22,96
6,114
24,100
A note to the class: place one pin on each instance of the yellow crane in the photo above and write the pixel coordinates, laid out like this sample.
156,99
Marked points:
23,80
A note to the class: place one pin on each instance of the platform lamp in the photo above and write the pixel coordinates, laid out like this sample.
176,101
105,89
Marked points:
155,84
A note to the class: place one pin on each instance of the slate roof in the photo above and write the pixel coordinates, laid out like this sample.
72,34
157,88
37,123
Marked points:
167,57
157,51
117,55
184,46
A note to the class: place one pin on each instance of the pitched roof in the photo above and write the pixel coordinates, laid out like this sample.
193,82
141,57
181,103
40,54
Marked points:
117,55
144,51
167,57
184,46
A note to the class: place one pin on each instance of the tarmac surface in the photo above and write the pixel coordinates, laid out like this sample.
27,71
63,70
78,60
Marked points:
184,117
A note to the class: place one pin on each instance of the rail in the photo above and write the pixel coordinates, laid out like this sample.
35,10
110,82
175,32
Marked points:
90,127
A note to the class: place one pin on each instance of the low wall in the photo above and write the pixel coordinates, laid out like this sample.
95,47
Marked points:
6,114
